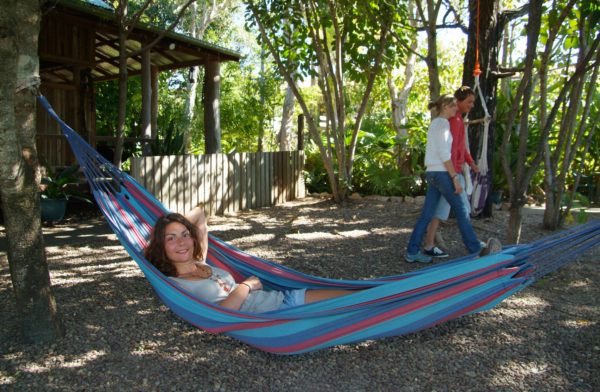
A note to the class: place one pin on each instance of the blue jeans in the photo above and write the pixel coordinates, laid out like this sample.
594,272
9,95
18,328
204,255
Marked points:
440,184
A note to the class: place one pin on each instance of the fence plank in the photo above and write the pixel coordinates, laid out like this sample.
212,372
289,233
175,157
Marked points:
223,183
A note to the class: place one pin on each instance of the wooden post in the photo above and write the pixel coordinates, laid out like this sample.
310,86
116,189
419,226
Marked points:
300,132
212,121
146,100
154,99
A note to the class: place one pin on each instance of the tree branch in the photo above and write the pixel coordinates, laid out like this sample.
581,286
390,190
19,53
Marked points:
164,32
136,17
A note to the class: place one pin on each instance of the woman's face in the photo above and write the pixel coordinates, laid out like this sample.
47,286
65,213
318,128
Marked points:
179,244
449,110
466,105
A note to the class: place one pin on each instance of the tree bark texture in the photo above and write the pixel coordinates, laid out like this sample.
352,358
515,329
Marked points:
520,177
19,171
287,116
212,91
490,35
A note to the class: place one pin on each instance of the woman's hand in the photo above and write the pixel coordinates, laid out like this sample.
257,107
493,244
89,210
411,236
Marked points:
237,297
457,187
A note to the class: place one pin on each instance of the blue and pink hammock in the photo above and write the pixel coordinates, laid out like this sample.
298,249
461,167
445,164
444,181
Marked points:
387,306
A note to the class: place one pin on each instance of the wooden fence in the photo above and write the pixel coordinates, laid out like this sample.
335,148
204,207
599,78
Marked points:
223,183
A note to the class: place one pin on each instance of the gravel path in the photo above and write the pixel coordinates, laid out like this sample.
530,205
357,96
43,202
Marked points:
120,337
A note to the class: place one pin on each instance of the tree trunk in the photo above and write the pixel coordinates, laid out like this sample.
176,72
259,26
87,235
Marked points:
212,88
551,211
399,102
490,34
513,235
19,171
519,178
200,20
286,121
190,104
192,87
122,105
431,59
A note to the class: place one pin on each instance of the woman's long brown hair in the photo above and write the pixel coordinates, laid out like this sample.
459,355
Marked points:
155,251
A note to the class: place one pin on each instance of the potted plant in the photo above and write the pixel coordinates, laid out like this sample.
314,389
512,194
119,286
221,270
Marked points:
56,190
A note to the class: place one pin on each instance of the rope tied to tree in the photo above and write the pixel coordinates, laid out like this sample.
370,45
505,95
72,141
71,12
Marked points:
32,83
481,183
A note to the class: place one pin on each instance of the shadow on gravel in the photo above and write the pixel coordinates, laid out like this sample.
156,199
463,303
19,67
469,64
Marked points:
120,337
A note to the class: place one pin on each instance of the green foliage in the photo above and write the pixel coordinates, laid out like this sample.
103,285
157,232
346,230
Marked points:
582,216
342,45
315,176
579,200
107,95
62,185
248,103
376,170
171,143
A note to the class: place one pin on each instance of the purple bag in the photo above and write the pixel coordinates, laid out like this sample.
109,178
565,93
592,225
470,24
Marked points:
481,189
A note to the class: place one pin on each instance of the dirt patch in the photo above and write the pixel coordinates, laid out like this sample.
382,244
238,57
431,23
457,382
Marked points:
119,335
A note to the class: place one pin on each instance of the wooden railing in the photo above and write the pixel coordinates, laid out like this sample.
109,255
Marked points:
223,183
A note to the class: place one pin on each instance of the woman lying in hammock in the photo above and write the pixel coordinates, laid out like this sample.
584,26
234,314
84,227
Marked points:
178,248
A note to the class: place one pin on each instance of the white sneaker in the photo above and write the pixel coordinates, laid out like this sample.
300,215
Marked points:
435,252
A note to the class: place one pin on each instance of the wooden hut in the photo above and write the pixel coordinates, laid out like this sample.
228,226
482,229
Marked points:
79,46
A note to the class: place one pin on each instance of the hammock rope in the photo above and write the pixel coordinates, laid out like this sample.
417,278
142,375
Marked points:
481,180
380,307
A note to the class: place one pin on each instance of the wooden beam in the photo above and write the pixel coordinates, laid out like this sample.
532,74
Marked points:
66,61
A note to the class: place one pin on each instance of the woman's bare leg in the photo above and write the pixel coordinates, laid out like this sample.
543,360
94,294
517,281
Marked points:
320,295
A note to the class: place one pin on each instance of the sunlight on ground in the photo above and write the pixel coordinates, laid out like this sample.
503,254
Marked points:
578,323
508,371
146,347
91,235
353,233
315,235
578,284
233,225
254,238
302,220
386,230
55,362
87,274
522,307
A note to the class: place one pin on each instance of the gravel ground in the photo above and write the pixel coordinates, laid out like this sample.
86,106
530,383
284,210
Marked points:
120,337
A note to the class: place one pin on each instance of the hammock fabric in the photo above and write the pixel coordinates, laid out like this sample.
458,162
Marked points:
387,306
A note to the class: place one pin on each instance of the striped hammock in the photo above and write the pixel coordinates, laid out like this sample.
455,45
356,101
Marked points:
387,306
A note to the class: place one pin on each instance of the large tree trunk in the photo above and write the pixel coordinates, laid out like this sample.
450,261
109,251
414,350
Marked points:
430,21
197,31
520,177
559,161
212,91
399,102
19,171
515,219
287,116
190,105
490,34
123,74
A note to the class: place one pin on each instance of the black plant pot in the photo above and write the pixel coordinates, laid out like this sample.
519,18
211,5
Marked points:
53,210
